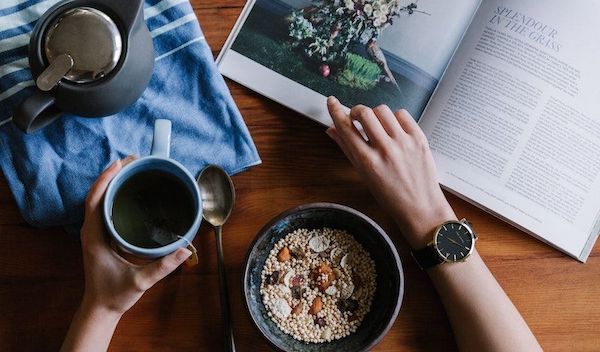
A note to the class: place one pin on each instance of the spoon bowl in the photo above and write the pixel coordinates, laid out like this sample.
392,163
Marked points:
218,195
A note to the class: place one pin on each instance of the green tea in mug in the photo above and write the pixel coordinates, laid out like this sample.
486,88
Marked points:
152,208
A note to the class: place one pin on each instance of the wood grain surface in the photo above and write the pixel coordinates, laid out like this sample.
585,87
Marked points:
41,278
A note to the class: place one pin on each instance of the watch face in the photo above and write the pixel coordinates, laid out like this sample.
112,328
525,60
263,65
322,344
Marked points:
454,241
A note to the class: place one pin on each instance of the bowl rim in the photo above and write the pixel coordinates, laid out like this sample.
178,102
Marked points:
335,206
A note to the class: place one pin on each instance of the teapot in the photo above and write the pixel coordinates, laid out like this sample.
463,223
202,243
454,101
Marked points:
90,58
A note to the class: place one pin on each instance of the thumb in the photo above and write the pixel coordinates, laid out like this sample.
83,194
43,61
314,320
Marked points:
156,271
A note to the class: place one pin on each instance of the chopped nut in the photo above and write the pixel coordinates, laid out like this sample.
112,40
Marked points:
316,306
297,253
297,309
284,255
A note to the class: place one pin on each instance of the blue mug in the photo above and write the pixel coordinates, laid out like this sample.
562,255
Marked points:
158,160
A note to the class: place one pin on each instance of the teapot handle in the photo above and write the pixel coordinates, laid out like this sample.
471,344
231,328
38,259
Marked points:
36,112
128,11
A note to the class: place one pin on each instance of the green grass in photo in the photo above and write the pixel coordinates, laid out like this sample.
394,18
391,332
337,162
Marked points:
358,72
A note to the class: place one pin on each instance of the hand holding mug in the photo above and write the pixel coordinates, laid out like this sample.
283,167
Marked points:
111,282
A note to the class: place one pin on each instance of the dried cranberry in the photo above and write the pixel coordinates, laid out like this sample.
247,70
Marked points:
297,280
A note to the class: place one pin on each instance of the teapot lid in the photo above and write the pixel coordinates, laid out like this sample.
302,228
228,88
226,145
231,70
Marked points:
90,37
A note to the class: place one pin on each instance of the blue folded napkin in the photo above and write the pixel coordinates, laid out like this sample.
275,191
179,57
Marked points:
50,172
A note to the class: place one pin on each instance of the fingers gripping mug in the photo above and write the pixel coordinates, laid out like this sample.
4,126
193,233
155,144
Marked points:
153,206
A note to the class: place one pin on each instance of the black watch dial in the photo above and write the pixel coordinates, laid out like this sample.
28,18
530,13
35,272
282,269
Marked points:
454,241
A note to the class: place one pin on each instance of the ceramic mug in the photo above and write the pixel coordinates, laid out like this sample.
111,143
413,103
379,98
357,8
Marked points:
158,160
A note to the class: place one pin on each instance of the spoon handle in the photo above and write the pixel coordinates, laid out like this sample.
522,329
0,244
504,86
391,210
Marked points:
224,293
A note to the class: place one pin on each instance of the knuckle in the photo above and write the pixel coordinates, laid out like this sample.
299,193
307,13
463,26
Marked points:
140,283
370,163
365,113
360,110
163,268
381,108
388,149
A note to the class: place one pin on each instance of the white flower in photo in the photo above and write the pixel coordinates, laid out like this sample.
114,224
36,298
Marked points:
383,8
368,9
377,14
349,4
377,22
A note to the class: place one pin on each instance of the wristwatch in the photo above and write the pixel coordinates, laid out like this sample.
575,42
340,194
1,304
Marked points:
453,241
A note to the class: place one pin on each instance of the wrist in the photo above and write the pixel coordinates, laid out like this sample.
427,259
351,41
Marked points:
420,229
91,308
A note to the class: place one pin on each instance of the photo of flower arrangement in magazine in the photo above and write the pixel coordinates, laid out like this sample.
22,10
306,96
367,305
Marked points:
362,51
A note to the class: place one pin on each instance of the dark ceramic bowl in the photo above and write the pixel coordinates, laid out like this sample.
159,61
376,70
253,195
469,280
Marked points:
390,277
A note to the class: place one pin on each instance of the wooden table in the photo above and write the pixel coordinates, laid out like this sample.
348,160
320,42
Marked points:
41,278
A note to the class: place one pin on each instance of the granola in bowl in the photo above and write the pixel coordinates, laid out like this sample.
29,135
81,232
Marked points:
318,285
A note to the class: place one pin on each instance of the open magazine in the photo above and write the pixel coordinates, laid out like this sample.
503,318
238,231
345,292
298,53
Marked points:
506,91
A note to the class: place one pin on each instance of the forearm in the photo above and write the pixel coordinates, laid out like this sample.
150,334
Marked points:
91,330
481,314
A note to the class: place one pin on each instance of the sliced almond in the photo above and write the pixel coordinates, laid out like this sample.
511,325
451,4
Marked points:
283,290
346,292
346,261
288,278
318,244
336,255
281,308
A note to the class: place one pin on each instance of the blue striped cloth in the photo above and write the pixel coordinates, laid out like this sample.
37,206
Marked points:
50,172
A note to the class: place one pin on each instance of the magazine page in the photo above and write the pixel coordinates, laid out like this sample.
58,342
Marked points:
370,52
515,123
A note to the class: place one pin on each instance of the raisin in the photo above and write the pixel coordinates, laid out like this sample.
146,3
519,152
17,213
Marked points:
273,278
320,321
351,305
347,305
297,292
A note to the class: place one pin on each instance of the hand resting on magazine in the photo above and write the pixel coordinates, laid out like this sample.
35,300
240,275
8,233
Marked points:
398,168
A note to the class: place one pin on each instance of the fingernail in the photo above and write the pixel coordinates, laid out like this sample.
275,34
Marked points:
331,100
183,254
114,165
